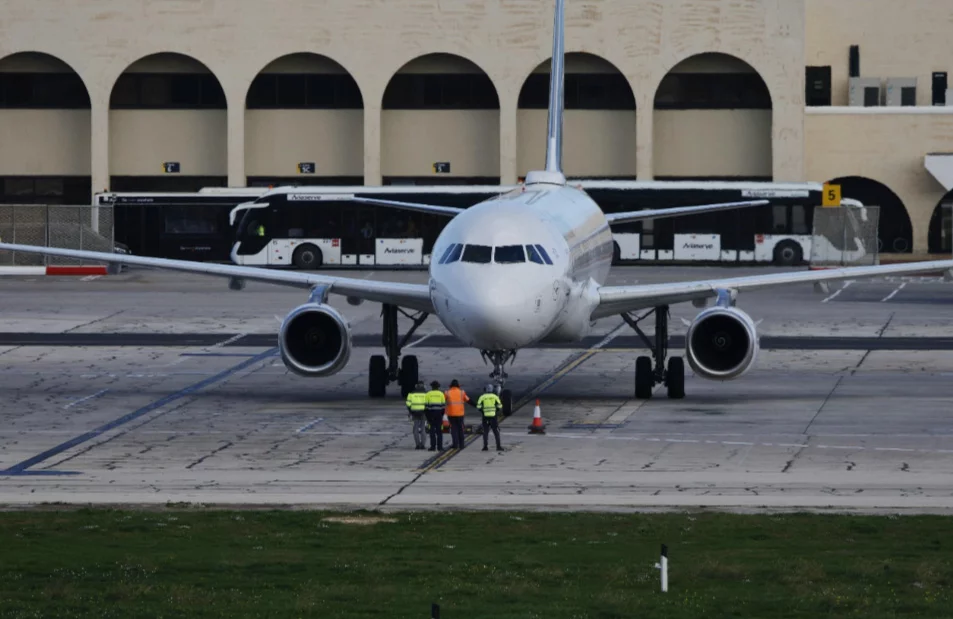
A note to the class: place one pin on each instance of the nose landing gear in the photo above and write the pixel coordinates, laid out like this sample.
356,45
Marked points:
500,358
385,370
647,376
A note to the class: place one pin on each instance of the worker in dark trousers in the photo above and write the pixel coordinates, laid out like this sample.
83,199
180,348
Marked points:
436,404
417,409
489,404
456,397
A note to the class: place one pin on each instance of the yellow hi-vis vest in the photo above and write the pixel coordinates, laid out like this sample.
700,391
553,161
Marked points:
417,401
489,403
435,401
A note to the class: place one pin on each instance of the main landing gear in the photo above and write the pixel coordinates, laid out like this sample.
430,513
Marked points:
647,376
500,358
388,369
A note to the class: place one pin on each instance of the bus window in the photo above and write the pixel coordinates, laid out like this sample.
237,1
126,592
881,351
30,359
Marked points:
799,223
780,222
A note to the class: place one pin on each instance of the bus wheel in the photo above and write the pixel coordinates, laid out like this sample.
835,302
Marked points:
787,253
616,253
308,257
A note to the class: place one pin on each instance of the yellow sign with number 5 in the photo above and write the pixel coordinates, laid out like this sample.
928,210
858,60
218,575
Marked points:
831,195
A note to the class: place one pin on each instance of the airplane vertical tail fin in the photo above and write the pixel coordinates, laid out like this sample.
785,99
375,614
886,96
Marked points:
553,173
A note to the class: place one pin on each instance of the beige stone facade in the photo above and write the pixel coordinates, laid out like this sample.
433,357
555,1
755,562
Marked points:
507,40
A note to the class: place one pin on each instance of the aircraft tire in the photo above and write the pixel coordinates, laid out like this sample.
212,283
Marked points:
506,398
643,378
377,377
675,378
409,374
308,257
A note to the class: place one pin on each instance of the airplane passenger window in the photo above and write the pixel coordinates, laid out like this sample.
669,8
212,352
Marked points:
446,254
457,250
542,252
534,255
479,254
509,254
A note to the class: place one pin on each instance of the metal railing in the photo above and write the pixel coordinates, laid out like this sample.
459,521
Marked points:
69,227
845,236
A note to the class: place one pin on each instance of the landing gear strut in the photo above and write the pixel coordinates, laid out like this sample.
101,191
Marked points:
649,374
500,358
388,368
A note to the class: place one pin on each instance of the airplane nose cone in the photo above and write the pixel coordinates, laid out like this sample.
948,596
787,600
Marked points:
499,314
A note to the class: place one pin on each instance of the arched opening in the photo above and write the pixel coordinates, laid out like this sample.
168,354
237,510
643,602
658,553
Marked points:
894,231
304,124
598,126
440,124
940,239
168,126
713,121
44,132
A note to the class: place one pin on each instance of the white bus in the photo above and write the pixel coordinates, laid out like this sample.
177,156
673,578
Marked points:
306,227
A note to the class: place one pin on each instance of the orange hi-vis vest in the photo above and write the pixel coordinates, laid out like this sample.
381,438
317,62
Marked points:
456,397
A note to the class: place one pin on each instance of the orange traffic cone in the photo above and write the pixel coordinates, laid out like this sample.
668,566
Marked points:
446,424
537,426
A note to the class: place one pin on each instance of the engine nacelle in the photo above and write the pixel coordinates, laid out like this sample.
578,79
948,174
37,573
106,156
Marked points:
722,343
314,340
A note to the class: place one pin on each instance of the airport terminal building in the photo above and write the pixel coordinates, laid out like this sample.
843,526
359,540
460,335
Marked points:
175,95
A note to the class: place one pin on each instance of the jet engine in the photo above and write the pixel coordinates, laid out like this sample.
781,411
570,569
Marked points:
722,343
315,340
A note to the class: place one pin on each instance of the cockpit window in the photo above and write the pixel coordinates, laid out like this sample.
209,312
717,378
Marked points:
455,255
542,252
479,254
446,254
534,255
509,254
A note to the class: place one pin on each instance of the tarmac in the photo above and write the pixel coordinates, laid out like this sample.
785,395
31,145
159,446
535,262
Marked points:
150,388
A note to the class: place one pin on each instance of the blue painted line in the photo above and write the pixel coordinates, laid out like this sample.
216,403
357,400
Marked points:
18,469
217,354
41,473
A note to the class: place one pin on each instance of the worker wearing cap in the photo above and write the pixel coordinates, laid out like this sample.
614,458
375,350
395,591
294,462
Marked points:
417,410
490,405
435,404
456,398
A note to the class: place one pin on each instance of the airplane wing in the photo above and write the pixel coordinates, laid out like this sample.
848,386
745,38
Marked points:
630,216
411,296
410,206
615,300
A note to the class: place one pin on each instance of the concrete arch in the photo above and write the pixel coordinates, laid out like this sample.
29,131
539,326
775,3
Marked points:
895,230
46,123
727,132
159,119
438,62
26,54
440,107
320,123
716,54
600,118
940,235
302,57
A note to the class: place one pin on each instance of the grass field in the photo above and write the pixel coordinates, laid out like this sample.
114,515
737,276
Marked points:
191,563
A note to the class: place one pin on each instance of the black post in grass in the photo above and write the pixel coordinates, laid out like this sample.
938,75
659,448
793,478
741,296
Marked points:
435,611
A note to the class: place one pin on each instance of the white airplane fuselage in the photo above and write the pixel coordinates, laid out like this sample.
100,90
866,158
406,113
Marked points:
493,306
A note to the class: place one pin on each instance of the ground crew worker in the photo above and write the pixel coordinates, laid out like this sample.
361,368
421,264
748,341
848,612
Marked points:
435,406
417,409
456,397
489,404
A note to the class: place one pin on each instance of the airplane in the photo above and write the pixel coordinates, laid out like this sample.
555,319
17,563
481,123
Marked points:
523,268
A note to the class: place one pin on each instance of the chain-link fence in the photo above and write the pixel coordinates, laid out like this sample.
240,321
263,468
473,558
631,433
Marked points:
845,236
68,227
